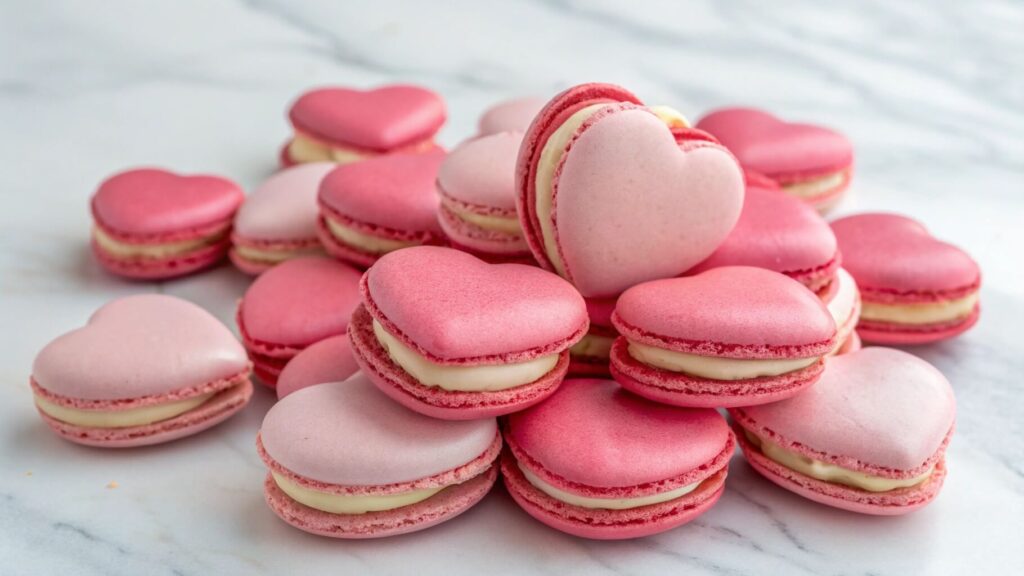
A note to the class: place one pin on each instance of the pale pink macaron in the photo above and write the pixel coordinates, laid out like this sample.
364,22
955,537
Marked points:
329,360
145,369
476,183
370,208
598,462
337,124
347,462
514,115
843,301
292,306
451,336
589,356
150,223
278,220
869,437
731,336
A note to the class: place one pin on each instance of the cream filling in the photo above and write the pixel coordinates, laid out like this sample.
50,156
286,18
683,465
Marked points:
120,418
487,222
923,313
305,149
593,345
670,116
605,503
816,186
714,367
351,504
274,256
365,242
463,378
157,251
831,472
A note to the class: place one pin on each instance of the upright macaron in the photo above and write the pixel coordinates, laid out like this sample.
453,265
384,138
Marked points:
346,462
294,305
731,336
914,287
336,124
869,437
843,301
513,115
812,163
370,208
150,223
451,336
278,220
145,369
329,360
598,462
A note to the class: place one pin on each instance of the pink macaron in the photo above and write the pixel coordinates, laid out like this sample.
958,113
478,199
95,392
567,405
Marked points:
915,288
476,183
589,356
585,160
278,221
346,125
451,336
512,115
154,224
329,360
869,437
731,336
370,208
292,306
145,369
843,301
811,162
347,462
598,462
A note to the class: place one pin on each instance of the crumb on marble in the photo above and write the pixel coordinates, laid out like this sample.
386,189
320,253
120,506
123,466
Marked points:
112,484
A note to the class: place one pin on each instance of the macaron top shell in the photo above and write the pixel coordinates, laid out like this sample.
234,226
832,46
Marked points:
284,207
481,172
350,433
153,201
300,301
329,360
138,346
380,119
451,306
511,115
593,432
734,311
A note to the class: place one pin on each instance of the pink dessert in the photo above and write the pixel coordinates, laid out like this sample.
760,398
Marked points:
278,221
731,336
145,369
915,288
510,115
589,356
347,125
370,208
346,462
451,336
329,360
587,157
598,462
810,162
869,437
292,306
843,301
153,224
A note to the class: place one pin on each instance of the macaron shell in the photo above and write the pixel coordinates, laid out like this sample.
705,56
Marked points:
481,172
284,207
852,344
511,115
161,268
879,333
329,360
492,246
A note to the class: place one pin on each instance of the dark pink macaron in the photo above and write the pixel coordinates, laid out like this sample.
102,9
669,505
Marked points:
589,356
329,360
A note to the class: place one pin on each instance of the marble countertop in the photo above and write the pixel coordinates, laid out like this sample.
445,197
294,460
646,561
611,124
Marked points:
932,95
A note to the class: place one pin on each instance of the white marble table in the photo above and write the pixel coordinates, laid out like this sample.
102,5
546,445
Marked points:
933,97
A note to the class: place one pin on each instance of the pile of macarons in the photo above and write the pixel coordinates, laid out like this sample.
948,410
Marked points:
590,298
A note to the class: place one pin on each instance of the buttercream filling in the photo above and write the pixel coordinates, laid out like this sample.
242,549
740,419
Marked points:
351,504
830,472
714,367
305,149
156,251
605,503
489,378
920,313
593,345
274,256
120,418
362,241
487,222
816,186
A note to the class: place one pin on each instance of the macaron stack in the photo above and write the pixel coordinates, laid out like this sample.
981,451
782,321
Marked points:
566,300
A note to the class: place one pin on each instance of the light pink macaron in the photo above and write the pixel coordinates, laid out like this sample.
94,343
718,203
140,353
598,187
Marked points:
329,360
842,298
514,115
370,208
145,369
347,462
869,437
598,462
451,336
476,183
731,336
278,220
292,306
152,224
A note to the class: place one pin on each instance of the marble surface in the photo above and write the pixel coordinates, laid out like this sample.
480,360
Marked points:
931,94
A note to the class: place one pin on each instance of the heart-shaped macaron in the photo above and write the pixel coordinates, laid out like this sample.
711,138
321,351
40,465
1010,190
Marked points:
611,193
145,369
869,437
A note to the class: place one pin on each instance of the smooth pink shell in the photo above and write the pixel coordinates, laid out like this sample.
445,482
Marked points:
284,207
481,174
510,115
329,360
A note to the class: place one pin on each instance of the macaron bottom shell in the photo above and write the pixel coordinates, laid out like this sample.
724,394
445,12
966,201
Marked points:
905,334
161,268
